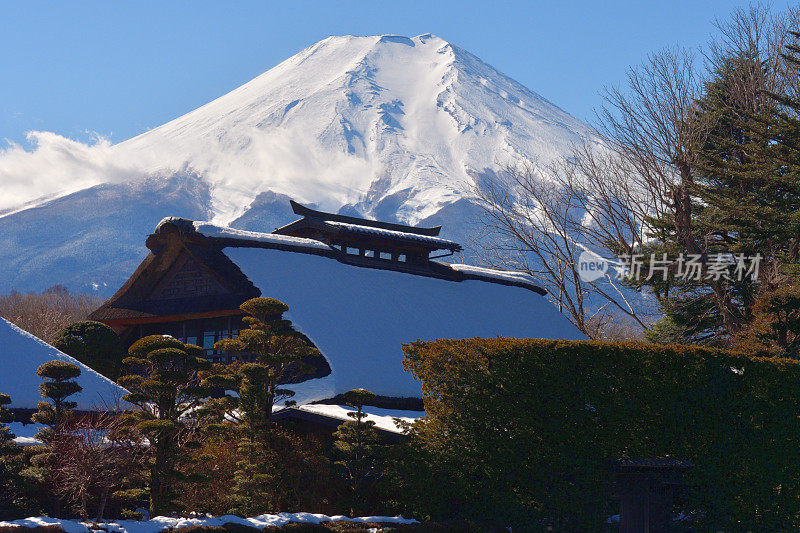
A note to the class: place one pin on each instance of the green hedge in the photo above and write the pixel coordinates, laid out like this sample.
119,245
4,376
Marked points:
522,430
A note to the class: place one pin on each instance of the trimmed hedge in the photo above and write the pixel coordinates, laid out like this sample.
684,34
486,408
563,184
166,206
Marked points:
522,430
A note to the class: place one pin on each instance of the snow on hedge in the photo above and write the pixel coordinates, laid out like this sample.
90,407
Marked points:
359,317
21,354
160,523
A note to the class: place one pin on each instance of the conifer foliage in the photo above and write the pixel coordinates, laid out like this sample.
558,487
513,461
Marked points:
276,355
357,447
56,411
93,344
6,437
164,384
9,452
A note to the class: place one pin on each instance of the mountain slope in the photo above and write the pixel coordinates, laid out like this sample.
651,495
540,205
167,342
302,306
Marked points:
361,121
385,127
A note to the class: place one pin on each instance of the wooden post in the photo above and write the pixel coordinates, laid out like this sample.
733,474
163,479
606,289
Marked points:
646,490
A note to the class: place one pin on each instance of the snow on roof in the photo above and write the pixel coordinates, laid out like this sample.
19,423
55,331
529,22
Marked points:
24,434
300,244
222,232
359,317
436,241
383,418
21,354
511,276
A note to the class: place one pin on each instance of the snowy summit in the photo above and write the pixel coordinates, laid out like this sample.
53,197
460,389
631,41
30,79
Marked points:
383,127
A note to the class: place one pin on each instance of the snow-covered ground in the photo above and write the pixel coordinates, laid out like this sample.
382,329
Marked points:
21,354
161,523
388,127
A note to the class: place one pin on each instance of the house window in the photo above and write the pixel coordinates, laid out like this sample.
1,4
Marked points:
386,255
353,251
369,253
401,258
204,333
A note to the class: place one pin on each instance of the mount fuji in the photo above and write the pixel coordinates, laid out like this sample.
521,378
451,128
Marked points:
386,127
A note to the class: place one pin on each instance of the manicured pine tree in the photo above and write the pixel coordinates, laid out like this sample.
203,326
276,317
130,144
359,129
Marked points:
164,384
56,411
278,356
93,344
357,446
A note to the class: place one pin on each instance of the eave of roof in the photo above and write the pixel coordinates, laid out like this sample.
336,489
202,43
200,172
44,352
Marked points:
434,243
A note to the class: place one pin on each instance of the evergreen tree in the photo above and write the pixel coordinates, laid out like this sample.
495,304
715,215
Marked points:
775,327
276,355
357,446
6,437
9,464
165,386
56,411
93,344
744,197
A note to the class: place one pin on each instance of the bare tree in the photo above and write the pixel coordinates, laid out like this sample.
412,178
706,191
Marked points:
602,199
542,221
759,32
45,314
93,460
655,125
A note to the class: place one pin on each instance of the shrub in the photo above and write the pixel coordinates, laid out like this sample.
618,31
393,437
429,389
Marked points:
522,430
93,344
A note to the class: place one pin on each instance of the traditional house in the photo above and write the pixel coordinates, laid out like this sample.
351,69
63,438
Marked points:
356,288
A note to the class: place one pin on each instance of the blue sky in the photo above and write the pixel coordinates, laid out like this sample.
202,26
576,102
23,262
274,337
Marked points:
120,68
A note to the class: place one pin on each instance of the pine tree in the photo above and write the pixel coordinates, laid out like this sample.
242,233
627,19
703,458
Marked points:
277,355
357,446
9,462
58,387
166,387
775,327
55,413
744,198
6,437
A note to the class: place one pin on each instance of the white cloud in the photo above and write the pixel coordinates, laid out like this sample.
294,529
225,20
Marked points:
237,167
56,165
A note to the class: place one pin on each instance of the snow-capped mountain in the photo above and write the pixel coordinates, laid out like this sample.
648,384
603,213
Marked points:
386,127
